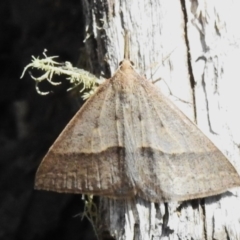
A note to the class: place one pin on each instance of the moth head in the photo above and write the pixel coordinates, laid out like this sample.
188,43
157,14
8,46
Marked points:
126,64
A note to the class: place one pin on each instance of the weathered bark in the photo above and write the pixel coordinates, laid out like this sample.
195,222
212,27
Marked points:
192,46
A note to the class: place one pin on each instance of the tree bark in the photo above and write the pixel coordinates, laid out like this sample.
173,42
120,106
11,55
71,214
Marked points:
193,46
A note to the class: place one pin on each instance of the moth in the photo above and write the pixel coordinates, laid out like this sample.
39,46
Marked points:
129,139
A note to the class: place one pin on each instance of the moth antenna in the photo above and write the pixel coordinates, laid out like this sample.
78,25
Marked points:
126,46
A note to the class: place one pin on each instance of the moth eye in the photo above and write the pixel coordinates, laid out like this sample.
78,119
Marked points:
120,63
132,63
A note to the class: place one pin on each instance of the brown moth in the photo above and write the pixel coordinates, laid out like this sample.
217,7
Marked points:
128,139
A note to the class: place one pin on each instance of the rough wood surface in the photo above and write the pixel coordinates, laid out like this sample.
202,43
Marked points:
193,47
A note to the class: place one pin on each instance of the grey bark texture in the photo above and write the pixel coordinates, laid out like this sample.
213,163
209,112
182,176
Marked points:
193,46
